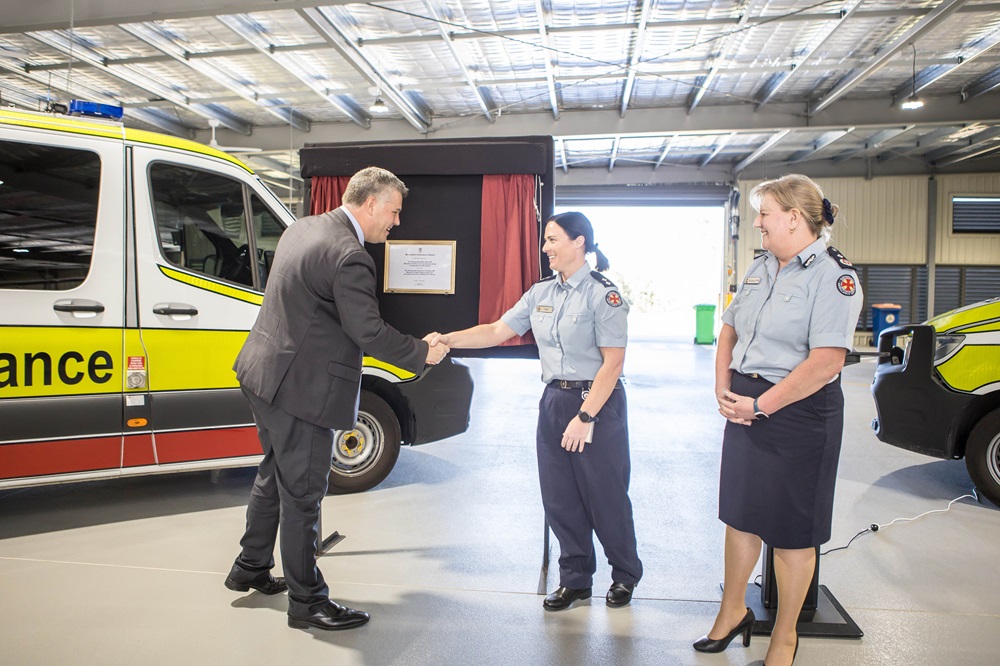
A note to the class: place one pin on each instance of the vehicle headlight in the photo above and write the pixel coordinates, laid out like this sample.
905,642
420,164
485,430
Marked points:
946,346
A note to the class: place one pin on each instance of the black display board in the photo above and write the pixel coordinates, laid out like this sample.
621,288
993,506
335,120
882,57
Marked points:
444,177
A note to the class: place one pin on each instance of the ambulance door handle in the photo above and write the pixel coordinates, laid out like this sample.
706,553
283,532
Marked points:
78,307
175,309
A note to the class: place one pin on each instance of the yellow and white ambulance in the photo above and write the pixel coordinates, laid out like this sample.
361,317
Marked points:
132,265
937,391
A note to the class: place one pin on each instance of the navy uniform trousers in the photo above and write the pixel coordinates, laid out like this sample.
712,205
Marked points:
587,492
291,482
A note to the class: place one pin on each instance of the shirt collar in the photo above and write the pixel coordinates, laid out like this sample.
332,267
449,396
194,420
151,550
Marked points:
357,227
579,276
809,255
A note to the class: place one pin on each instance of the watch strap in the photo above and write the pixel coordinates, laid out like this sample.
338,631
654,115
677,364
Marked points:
757,411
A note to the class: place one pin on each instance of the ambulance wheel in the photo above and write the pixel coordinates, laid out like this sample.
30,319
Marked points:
982,456
364,456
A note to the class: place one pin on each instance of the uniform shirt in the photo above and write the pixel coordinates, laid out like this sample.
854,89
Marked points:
354,223
813,302
571,320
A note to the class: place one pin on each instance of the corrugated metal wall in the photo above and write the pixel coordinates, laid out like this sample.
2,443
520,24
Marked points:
884,220
881,221
965,249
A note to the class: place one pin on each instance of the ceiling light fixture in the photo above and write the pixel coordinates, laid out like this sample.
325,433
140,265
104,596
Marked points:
378,106
913,102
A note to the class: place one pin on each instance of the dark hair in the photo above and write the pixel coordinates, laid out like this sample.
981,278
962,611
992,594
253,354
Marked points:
576,224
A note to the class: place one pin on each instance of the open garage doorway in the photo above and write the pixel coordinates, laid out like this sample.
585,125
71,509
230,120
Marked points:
665,259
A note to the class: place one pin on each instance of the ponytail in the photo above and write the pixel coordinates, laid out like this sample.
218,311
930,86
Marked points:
576,224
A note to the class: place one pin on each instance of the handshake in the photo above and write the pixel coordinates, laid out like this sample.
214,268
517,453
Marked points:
438,348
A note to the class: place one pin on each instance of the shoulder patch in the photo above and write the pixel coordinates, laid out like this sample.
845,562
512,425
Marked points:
613,298
847,285
548,277
840,259
603,280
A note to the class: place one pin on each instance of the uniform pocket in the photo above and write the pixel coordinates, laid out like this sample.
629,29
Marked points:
343,371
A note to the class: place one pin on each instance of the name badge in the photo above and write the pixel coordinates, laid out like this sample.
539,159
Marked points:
753,280
543,308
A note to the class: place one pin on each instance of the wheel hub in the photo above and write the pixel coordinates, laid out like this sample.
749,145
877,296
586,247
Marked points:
356,450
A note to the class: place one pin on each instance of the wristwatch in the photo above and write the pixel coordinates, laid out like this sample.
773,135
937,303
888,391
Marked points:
757,411
585,417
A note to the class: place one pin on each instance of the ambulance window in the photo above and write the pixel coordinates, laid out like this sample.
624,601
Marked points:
200,222
267,229
48,215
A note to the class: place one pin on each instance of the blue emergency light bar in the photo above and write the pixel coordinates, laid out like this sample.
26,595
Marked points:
93,109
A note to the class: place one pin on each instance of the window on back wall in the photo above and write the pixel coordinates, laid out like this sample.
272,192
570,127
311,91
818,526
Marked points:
975,214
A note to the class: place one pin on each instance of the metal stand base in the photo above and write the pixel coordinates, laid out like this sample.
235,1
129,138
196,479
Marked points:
544,575
330,541
829,621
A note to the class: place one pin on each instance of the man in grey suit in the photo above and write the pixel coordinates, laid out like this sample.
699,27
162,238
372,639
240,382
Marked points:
300,368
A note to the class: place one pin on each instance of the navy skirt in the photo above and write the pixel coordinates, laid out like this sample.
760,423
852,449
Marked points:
778,474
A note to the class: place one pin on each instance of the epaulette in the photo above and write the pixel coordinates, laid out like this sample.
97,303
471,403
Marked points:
603,280
548,277
840,259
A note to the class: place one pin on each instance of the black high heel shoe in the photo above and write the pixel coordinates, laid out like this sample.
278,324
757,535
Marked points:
706,644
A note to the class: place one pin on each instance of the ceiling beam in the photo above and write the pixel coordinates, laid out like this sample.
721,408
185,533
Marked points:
614,153
69,44
256,35
819,144
28,16
663,154
923,141
638,46
328,25
776,82
550,74
935,73
157,37
974,143
480,94
764,147
562,154
985,84
149,116
702,83
853,78
874,142
719,145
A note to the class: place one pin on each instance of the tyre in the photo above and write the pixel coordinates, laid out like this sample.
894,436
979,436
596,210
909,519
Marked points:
364,456
982,456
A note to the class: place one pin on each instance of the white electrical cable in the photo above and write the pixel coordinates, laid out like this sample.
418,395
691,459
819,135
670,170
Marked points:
875,527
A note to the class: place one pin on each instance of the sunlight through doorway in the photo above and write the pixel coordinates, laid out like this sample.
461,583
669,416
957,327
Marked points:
665,259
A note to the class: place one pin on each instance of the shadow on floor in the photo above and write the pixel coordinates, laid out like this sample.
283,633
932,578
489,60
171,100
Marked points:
937,480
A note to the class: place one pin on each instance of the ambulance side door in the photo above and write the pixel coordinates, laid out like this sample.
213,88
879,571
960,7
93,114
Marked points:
201,263
61,303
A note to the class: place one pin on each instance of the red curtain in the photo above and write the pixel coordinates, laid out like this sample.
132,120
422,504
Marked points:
327,193
509,246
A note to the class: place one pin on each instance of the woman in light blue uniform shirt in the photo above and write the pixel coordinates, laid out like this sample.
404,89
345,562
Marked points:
579,320
782,346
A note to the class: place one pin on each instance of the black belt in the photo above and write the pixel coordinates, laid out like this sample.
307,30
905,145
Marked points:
576,384
751,375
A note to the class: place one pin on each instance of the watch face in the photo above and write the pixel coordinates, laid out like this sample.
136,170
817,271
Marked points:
585,417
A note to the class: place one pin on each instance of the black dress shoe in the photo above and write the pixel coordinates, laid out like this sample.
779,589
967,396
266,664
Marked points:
706,644
264,583
563,597
619,595
330,616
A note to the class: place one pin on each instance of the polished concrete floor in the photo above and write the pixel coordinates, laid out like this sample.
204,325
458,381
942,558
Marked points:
446,553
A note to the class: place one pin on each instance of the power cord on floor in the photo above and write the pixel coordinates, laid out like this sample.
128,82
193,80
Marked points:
875,527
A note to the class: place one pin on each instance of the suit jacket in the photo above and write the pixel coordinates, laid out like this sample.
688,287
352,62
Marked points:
319,315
